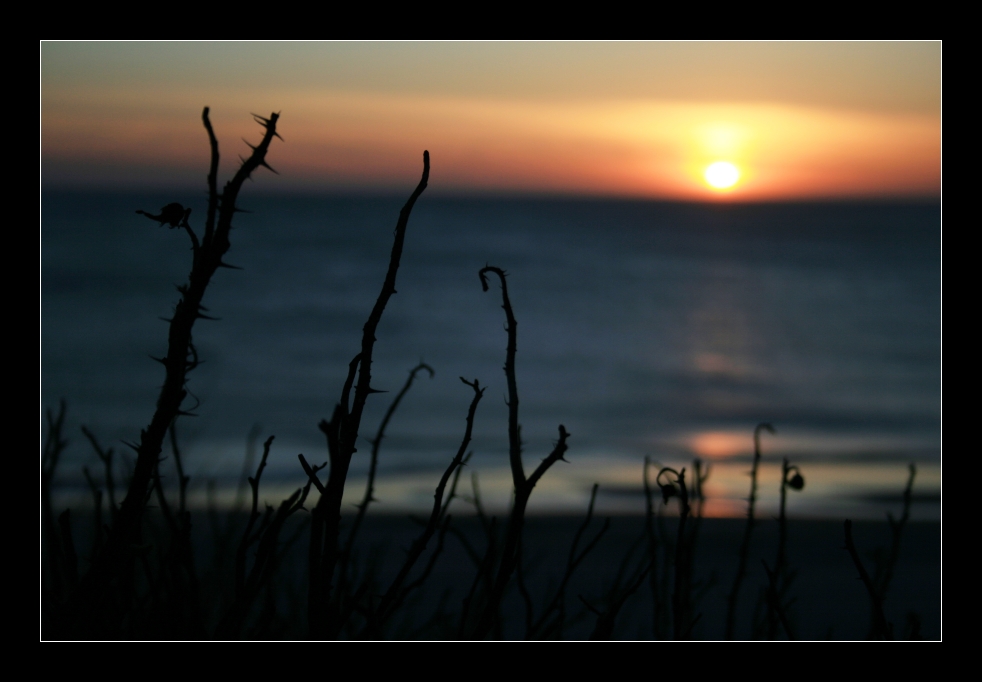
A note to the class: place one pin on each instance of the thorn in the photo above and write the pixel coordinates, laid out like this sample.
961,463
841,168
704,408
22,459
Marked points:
241,210
251,146
223,264
373,390
162,361
263,163
168,320
265,122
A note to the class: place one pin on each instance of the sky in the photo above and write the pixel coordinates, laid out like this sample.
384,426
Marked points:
692,121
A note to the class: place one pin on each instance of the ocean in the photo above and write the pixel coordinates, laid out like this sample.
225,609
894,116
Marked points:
647,329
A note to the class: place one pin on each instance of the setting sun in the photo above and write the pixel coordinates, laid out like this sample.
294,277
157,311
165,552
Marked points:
722,174
696,121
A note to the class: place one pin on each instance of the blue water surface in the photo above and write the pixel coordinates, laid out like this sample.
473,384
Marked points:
641,325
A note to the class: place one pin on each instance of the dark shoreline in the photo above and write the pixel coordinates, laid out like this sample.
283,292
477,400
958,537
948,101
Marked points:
830,601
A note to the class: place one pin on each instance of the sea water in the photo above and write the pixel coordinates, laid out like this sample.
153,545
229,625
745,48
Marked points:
658,330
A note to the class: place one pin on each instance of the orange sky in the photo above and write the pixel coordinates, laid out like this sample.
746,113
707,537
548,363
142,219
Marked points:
799,120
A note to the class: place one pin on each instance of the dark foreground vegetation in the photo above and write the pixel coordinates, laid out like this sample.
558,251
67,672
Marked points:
151,570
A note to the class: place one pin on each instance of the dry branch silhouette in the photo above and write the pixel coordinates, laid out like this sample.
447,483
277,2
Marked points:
140,578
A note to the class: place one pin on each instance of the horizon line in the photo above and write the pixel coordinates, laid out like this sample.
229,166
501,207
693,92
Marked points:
389,192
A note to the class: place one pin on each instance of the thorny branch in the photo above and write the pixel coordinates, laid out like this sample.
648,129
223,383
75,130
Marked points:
342,434
731,602
394,595
372,467
523,486
207,259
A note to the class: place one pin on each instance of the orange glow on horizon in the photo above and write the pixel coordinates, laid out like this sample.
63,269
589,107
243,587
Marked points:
633,148
720,444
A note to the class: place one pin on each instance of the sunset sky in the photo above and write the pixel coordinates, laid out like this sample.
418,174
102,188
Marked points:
761,121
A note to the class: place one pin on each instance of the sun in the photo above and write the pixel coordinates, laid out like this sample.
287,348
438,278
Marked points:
721,174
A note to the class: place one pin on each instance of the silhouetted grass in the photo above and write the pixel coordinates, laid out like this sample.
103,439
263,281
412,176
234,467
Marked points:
148,575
